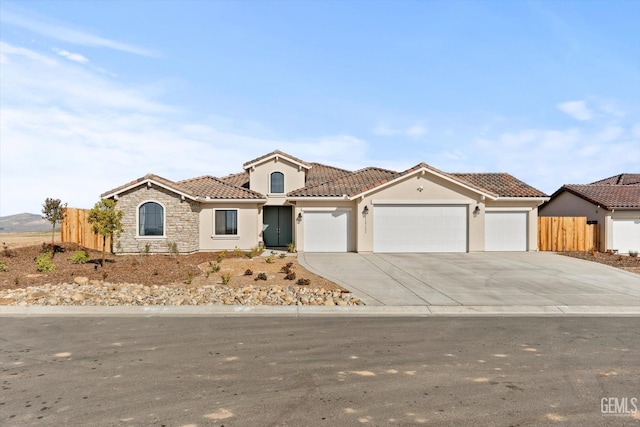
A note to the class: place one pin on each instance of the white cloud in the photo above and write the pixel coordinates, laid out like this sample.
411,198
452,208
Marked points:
71,133
576,109
64,33
72,56
413,131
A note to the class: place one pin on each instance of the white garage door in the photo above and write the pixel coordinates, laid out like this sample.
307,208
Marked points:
626,235
505,231
419,228
326,231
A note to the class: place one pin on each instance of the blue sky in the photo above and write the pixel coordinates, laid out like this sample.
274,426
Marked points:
94,94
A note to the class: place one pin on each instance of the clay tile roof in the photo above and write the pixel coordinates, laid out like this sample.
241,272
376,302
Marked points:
500,183
622,179
350,185
607,196
214,188
238,179
278,152
320,173
174,186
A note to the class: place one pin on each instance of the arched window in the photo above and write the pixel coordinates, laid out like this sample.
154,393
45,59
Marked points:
151,219
277,182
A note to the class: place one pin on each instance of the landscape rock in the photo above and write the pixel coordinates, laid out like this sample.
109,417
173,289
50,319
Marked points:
97,293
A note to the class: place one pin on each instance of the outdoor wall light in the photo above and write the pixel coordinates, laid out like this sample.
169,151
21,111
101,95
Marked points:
365,210
299,217
476,211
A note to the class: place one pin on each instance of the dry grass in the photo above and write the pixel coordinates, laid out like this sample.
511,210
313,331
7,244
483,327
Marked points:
19,240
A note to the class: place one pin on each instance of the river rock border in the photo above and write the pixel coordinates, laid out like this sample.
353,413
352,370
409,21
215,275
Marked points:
83,292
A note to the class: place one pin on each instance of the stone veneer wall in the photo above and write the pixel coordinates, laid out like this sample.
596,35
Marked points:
182,221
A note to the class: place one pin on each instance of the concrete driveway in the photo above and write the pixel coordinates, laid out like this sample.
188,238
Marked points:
496,279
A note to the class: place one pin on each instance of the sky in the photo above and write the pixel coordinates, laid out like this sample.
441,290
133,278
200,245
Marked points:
94,94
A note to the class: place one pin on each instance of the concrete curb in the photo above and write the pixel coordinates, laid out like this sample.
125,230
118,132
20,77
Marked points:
319,311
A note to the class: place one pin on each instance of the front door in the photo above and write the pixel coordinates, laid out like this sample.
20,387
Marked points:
276,226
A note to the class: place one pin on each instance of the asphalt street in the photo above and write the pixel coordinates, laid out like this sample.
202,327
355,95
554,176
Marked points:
318,371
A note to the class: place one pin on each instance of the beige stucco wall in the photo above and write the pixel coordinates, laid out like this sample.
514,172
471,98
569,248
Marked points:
248,225
181,221
260,178
303,206
435,190
607,242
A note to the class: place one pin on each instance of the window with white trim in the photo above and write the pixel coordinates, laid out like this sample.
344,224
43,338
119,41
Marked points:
277,182
226,222
151,219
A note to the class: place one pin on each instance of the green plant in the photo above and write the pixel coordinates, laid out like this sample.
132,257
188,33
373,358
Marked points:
53,210
261,276
213,268
303,282
269,259
189,278
3,266
237,252
255,251
291,247
281,256
248,272
44,264
173,248
222,255
633,254
106,221
226,277
79,257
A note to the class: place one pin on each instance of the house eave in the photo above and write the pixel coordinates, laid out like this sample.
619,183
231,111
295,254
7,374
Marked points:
147,182
422,171
318,198
201,199
276,156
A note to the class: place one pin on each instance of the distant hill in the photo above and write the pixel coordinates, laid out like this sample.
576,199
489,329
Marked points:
24,222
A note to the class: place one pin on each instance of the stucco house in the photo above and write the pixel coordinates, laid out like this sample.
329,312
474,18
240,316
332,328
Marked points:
279,199
613,203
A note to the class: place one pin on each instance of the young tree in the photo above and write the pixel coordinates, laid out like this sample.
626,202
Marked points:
53,211
106,221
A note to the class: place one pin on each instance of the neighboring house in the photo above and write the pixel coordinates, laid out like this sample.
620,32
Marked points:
279,199
612,203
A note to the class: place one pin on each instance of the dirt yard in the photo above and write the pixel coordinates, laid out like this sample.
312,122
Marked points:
181,270
624,262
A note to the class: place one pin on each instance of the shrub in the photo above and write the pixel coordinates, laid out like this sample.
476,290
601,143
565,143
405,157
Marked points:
287,268
303,282
189,278
173,248
222,255
269,260
43,263
261,276
213,268
255,251
79,257
290,276
226,277
281,256
291,247
237,252
6,252
633,254
3,266
248,272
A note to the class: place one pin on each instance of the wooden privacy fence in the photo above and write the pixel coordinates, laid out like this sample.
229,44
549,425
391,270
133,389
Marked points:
567,233
76,229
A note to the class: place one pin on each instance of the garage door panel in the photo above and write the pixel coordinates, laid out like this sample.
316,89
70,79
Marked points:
326,231
419,228
505,231
626,235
